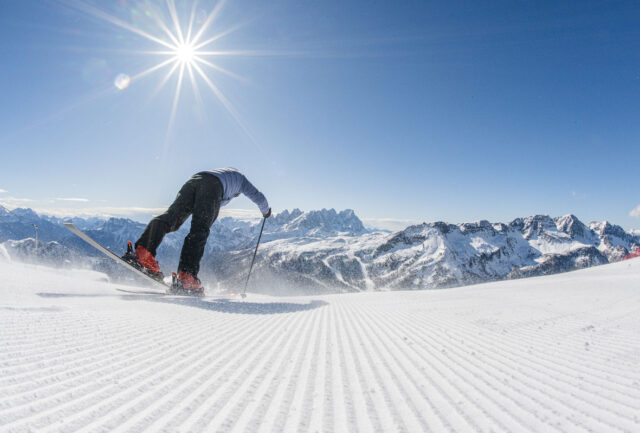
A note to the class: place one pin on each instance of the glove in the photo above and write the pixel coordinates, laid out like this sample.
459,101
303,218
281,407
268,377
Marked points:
267,215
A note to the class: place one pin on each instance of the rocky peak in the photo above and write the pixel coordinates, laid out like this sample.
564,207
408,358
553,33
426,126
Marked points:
285,217
536,225
118,223
478,226
517,224
24,213
606,228
320,221
571,225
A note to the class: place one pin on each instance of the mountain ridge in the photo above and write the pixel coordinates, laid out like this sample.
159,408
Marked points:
327,251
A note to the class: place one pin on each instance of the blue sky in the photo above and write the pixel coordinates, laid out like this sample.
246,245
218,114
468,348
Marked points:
408,111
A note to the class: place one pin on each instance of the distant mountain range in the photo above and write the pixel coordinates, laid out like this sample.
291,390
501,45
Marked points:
327,251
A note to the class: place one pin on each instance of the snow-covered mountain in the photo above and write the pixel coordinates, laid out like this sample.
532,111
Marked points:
433,255
50,253
327,251
314,224
18,224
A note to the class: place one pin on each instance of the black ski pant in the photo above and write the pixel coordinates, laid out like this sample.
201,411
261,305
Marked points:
199,197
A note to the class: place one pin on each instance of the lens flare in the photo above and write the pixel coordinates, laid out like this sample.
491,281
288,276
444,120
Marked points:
122,81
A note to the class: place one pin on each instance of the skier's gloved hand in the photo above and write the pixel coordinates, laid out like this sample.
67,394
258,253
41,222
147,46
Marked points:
267,215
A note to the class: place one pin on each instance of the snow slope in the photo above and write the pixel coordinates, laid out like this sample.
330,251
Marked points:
558,353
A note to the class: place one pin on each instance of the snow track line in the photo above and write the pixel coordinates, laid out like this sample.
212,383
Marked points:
75,373
77,398
313,322
87,336
395,416
586,362
118,406
408,392
286,324
354,388
441,389
133,416
460,374
344,408
294,421
544,367
534,334
290,389
271,413
467,356
255,414
399,396
29,351
215,400
536,385
577,359
334,413
567,375
22,363
62,368
171,403
263,413
239,394
315,402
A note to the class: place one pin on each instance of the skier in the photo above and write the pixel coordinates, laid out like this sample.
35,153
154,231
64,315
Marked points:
201,196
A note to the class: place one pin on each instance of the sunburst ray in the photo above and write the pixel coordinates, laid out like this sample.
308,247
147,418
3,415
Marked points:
221,69
191,19
183,47
225,102
174,108
212,15
176,22
216,37
152,69
98,13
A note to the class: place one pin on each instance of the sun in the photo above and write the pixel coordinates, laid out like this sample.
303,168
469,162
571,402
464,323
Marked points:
184,46
186,54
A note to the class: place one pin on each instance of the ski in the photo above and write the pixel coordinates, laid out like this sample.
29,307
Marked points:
113,256
141,292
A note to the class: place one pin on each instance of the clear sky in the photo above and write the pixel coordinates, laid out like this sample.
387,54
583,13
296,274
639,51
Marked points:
408,110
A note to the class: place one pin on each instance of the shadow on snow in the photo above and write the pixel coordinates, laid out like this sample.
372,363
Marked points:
240,307
219,305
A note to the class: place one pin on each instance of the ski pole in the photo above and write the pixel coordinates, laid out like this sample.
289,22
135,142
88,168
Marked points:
253,260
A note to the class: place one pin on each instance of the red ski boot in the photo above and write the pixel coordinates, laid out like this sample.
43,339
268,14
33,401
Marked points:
187,284
143,260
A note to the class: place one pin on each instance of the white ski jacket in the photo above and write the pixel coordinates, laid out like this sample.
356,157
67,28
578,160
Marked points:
234,183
